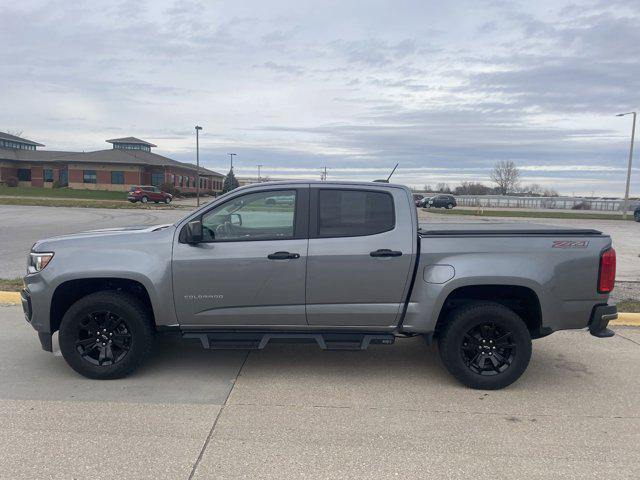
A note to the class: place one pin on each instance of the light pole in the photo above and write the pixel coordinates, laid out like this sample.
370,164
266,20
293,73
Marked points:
259,167
633,134
231,155
198,128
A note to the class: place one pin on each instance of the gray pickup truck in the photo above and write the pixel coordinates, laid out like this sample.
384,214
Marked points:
345,265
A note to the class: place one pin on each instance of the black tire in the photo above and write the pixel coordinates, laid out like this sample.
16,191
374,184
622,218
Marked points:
463,334
134,330
144,199
449,206
167,200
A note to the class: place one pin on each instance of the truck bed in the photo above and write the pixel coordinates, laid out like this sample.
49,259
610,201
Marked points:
502,229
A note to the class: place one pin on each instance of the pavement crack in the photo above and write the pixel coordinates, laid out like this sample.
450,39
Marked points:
627,338
207,441
441,411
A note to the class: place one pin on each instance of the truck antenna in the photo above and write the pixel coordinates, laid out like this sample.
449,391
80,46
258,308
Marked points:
392,172
387,180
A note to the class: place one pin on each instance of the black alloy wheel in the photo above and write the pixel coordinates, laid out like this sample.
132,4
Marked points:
103,338
485,345
106,334
488,349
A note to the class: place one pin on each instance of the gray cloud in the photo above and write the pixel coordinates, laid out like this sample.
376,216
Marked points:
296,86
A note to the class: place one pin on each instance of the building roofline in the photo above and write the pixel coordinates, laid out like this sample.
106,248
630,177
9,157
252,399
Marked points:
130,140
14,138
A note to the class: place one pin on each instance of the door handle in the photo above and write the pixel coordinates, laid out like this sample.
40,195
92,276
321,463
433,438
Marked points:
283,256
385,252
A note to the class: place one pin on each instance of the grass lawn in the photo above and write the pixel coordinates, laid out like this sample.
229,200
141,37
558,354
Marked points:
80,202
62,193
520,213
10,284
628,306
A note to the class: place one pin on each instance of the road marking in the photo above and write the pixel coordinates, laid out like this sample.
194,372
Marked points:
9,298
627,319
624,319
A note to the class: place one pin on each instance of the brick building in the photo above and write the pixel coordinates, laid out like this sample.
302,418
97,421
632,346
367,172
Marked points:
130,161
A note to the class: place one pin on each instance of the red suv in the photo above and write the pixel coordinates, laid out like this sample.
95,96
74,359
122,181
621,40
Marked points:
146,193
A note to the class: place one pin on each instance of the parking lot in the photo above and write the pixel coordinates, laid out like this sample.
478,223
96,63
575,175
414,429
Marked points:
294,411
23,225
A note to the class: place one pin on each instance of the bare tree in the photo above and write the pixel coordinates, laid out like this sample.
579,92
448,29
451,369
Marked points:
443,188
505,174
15,133
427,188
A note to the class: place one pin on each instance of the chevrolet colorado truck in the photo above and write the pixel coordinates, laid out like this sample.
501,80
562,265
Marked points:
344,265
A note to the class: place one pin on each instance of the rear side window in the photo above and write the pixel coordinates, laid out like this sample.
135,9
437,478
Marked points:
351,213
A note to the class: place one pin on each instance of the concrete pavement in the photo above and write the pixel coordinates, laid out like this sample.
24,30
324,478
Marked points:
293,411
21,226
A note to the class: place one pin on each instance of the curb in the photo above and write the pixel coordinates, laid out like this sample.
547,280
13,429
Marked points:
624,319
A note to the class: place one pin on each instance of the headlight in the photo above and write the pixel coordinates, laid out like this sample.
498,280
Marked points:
37,261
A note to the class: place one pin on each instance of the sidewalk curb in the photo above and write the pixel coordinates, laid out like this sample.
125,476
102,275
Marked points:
624,319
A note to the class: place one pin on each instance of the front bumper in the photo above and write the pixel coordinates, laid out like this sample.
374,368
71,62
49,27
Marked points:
600,318
27,308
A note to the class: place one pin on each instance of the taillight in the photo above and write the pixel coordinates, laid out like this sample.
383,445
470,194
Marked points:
607,274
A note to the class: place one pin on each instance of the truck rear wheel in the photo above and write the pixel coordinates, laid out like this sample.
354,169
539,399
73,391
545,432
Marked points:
485,346
106,335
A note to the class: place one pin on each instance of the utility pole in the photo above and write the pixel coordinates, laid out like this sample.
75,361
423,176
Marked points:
626,192
198,128
323,174
259,167
231,155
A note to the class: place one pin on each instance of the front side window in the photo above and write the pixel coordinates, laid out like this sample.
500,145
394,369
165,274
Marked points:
352,213
254,216
89,176
47,175
117,178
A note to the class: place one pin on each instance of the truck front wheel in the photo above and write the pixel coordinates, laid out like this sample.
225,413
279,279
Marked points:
485,345
106,335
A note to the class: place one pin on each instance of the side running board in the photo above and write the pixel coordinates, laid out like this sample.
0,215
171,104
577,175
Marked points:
259,340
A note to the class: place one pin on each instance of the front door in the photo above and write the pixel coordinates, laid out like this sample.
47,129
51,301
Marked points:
250,269
360,256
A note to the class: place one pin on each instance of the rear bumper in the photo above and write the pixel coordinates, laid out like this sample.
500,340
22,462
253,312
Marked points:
600,318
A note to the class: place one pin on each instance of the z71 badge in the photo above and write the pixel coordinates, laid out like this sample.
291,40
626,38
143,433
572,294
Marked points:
570,244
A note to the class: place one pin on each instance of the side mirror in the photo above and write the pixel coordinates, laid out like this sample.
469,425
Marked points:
193,232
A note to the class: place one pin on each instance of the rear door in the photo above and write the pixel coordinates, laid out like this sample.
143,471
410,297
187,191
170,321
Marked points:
361,250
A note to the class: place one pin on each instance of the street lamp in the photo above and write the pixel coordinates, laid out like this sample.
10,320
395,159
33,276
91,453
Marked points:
633,134
231,155
198,128
259,167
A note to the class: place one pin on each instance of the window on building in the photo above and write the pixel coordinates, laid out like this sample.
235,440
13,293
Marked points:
187,182
179,180
172,178
157,179
24,174
351,213
47,175
89,176
117,178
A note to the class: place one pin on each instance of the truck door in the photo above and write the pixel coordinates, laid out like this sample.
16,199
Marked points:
250,268
361,250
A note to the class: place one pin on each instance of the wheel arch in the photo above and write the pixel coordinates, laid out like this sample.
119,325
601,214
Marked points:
70,291
523,300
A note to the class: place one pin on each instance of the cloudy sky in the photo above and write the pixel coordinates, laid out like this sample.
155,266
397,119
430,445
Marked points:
444,88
